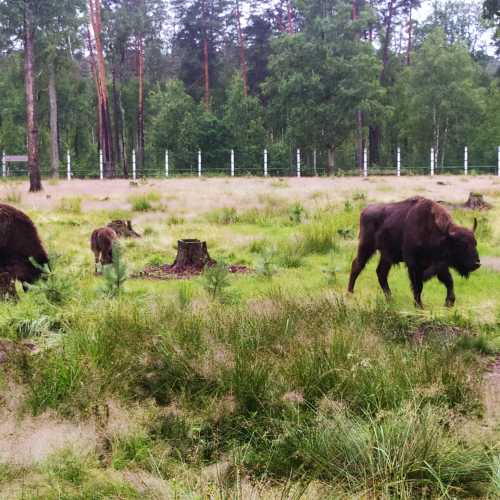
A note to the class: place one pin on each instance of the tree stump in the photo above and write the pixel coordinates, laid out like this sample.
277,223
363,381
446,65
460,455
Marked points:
476,202
192,255
7,287
123,228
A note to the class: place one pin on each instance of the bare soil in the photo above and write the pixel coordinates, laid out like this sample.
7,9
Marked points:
192,196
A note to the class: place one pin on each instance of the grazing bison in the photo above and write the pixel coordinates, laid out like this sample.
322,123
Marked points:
19,243
101,243
421,234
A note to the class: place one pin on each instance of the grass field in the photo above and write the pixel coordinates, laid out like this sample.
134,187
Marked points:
275,385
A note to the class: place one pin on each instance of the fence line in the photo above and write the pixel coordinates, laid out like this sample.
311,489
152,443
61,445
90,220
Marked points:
302,164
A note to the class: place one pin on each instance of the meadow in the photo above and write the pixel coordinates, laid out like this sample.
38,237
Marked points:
272,384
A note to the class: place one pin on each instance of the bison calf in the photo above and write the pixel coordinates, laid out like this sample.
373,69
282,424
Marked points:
20,245
420,233
101,243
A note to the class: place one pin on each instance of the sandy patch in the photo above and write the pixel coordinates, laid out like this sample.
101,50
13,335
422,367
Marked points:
492,263
192,196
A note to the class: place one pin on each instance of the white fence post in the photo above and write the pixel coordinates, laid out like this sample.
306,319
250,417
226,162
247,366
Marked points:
365,162
432,162
466,161
166,163
68,165
298,163
498,161
398,168
232,162
101,165
134,166
4,164
265,162
199,163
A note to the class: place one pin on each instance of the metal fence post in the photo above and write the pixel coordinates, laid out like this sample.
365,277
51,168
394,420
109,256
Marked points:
398,168
466,161
432,162
4,164
68,165
166,163
232,162
365,162
265,162
134,166
298,163
101,165
199,163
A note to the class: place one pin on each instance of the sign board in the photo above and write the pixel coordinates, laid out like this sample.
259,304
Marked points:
16,158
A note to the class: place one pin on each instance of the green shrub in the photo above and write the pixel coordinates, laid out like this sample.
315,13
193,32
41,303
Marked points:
115,274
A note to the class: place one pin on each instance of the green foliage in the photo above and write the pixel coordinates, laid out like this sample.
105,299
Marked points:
296,212
71,205
115,274
216,280
55,286
266,267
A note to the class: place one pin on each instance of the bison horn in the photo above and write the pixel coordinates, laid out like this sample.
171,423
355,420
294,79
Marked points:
474,226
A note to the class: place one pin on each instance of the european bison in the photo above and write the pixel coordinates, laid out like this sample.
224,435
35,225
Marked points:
19,241
101,243
420,233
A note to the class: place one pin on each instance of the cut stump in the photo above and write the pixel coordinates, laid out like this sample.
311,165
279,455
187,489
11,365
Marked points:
7,287
123,228
476,202
192,259
192,255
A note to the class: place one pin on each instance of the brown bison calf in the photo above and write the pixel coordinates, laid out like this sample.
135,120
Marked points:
19,245
420,233
101,243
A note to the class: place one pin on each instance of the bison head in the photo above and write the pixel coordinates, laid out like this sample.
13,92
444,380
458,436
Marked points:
463,249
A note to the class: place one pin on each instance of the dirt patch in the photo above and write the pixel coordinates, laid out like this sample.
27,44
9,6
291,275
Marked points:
195,196
10,350
424,330
169,272
26,439
492,263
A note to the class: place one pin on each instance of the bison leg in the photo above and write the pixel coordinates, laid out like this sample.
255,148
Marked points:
444,276
365,252
383,268
417,285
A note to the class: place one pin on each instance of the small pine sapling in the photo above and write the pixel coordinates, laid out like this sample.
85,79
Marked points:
115,274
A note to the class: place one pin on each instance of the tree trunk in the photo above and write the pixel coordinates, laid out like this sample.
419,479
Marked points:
105,135
290,17
243,59
410,34
53,111
206,72
31,118
359,113
330,168
375,134
117,118
140,109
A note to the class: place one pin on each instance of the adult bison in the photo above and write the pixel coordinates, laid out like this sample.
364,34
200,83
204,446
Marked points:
19,245
420,233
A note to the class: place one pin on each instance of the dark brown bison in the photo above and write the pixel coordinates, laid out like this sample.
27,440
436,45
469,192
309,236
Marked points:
101,243
19,245
420,233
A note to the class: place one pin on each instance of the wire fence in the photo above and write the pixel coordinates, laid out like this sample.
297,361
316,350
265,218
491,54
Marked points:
307,162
